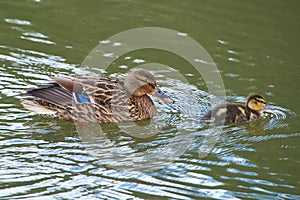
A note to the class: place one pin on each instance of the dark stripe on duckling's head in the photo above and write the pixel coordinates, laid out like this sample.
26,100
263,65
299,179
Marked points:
256,102
260,100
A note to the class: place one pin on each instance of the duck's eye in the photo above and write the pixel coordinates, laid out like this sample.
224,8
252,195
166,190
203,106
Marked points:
152,85
143,80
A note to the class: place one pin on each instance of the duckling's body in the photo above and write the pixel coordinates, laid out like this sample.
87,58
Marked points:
91,99
237,113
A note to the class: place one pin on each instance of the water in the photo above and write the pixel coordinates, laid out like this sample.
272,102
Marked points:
255,52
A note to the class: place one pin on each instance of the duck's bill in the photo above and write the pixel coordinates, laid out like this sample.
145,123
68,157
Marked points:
163,97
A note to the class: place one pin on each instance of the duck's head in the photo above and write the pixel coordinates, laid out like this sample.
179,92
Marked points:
256,102
140,82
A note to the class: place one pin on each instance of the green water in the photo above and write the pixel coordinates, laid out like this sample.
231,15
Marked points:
255,45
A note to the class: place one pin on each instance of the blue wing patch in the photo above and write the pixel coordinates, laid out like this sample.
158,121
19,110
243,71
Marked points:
81,98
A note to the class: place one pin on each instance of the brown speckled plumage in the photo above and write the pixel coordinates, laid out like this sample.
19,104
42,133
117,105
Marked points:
91,99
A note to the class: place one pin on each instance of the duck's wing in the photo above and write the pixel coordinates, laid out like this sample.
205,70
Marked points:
54,94
83,89
78,84
88,89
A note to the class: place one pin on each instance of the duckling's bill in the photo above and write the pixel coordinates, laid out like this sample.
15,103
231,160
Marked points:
267,107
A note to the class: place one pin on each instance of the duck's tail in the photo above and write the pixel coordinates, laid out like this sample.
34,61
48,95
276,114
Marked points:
54,94
50,101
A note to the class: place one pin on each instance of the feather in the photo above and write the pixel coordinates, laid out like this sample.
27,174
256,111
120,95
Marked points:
81,98
35,107
54,94
91,99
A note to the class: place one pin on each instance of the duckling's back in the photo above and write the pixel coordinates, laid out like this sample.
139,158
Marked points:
226,114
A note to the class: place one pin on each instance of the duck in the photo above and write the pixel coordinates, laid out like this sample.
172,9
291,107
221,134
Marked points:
231,113
97,99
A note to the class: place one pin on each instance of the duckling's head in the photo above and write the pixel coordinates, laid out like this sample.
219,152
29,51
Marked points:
140,82
256,102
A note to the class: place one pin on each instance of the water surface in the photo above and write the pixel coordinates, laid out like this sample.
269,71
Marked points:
256,48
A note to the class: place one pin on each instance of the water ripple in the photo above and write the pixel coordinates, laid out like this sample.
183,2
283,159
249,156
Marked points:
18,22
33,39
46,157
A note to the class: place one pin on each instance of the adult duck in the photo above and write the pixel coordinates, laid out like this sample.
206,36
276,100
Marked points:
91,99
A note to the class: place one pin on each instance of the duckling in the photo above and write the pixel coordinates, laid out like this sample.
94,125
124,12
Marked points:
237,113
91,99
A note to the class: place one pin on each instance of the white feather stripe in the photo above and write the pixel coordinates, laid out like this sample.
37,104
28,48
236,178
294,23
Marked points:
36,108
